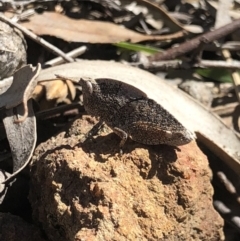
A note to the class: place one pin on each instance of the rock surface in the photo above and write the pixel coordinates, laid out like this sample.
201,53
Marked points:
13,228
89,192
12,50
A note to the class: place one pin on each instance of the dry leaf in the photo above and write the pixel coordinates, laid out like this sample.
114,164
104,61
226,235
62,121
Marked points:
21,137
234,13
53,92
158,13
5,84
222,17
72,30
21,89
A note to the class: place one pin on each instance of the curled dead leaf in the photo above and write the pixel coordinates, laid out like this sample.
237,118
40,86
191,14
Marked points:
157,13
49,93
21,137
19,120
58,25
21,89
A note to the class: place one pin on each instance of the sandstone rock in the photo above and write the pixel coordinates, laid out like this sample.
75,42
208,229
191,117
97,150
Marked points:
89,192
13,228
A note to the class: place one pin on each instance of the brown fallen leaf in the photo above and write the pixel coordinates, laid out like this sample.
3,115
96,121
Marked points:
52,92
21,137
72,30
158,13
21,89
19,120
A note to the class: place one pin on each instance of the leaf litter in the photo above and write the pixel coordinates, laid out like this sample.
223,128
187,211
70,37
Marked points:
58,25
19,120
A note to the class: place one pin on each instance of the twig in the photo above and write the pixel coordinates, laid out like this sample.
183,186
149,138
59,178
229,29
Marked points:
225,109
180,64
67,78
73,54
56,61
192,44
59,110
23,16
230,45
36,38
215,46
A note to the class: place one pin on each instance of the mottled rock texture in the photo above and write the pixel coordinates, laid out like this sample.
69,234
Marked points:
13,228
12,50
89,192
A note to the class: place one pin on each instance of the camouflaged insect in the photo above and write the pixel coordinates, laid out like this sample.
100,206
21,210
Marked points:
130,113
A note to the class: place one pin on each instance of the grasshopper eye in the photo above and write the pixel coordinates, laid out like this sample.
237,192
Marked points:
87,85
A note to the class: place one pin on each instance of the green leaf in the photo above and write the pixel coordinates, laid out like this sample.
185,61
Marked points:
137,47
220,75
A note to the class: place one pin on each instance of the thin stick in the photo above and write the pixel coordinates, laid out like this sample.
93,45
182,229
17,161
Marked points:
36,38
179,64
73,54
56,111
194,43
5,83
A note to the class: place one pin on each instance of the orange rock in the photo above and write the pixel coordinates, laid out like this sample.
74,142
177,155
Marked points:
87,191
